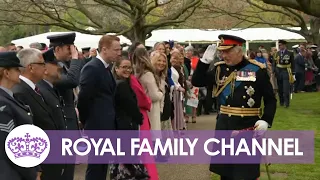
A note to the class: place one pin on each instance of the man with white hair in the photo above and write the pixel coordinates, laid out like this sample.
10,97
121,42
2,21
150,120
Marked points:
29,94
240,85
188,56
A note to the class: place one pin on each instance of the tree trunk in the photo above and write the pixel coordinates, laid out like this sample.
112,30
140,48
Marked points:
139,35
138,32
312,35
315,30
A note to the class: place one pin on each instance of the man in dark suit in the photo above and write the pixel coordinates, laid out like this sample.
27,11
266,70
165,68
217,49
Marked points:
96,98
299,70
62,46
28,93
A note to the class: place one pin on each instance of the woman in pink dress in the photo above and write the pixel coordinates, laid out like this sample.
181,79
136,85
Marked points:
144,103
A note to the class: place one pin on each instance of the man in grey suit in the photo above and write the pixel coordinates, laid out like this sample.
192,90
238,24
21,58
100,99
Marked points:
62,46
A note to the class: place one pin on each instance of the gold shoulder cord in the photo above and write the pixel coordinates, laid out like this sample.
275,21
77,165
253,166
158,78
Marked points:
230,79
215,90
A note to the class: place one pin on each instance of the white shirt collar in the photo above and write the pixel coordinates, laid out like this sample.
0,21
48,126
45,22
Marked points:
50,84
104,63
28,81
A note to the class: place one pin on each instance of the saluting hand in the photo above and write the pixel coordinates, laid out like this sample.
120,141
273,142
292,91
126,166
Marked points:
208,55
74,52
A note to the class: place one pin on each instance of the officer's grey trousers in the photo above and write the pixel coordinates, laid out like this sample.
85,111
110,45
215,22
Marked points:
283,86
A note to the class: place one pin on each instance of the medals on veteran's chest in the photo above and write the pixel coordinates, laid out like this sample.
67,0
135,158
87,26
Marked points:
246,76
285,59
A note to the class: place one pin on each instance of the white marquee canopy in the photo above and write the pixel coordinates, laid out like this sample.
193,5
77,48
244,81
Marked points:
180,35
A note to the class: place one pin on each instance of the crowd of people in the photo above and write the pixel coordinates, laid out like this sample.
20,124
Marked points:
305,59
57,87
104,88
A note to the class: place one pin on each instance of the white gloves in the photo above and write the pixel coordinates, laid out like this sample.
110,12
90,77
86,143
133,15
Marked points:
261,125
208,55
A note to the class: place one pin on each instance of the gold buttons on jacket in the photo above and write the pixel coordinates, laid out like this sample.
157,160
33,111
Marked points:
29,114
227,69
244,97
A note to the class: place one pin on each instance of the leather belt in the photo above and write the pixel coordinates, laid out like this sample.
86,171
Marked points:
243,112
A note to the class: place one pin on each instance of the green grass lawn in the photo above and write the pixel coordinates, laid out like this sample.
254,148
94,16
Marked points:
303,114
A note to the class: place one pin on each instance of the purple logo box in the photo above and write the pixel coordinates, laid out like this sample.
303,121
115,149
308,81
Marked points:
181,147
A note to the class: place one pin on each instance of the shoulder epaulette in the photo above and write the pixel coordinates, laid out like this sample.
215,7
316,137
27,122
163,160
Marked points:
219,63
261,65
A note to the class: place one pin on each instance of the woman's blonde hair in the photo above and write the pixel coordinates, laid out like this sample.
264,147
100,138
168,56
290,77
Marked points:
154,58
158,44
142,62
176,51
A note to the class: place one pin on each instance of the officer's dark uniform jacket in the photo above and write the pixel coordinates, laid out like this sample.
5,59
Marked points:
239,105
284,73
55,103
13,114
69,80
284,61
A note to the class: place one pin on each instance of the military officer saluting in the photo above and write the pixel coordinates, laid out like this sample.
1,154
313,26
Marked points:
240,86
66,53
12,114
284,66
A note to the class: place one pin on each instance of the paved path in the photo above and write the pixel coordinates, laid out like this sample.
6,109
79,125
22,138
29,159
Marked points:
177,171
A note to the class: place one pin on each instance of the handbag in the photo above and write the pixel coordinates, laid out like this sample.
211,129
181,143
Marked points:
167,105
128,172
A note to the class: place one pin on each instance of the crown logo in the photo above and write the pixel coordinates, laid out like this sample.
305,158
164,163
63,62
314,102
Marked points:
27,146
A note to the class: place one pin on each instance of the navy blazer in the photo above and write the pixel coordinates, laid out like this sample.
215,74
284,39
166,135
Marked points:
299,64
96,97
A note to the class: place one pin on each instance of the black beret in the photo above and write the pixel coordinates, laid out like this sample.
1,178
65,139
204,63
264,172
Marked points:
229,41
282,41
9,59
62,39
86,49
48,56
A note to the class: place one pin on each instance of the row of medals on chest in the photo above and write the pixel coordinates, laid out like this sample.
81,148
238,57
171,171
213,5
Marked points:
285,59
246,76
